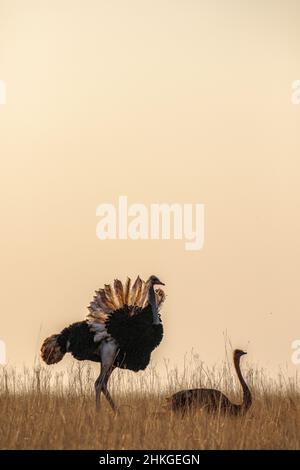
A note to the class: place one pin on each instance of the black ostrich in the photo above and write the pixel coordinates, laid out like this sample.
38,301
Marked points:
121,330
211,400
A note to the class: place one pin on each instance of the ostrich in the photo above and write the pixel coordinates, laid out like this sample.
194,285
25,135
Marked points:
213,400
122,328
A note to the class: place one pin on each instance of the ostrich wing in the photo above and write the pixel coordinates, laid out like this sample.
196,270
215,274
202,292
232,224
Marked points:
123,314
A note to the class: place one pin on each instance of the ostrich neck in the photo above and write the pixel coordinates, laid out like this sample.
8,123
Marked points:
247,399
152,302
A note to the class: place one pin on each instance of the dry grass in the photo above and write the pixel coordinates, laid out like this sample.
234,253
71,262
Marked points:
41,409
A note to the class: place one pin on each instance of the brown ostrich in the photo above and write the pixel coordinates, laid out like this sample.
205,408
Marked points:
211,400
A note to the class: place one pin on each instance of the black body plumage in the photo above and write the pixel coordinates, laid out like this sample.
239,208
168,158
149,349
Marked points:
135,334
79,341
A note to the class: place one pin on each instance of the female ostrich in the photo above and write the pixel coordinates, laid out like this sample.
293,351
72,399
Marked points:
122,328
213,400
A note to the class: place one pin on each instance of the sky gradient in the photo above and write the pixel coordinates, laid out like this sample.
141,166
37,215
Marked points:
161,101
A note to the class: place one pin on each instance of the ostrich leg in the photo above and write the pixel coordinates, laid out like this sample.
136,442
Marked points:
106,392
108,352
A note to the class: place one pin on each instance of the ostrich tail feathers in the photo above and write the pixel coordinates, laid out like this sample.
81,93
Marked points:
127,291
135,292
116,296
51,351
119,292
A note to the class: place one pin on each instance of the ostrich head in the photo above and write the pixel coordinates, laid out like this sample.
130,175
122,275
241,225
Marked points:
238,353
154,281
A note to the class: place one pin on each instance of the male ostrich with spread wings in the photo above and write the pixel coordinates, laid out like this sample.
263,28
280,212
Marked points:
122,328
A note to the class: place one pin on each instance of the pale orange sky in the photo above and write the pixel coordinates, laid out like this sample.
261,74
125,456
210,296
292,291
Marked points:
162,101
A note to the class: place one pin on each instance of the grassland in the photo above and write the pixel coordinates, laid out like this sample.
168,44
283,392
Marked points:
42,409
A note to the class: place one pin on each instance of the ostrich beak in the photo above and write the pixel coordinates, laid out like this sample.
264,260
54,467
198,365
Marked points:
160,283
